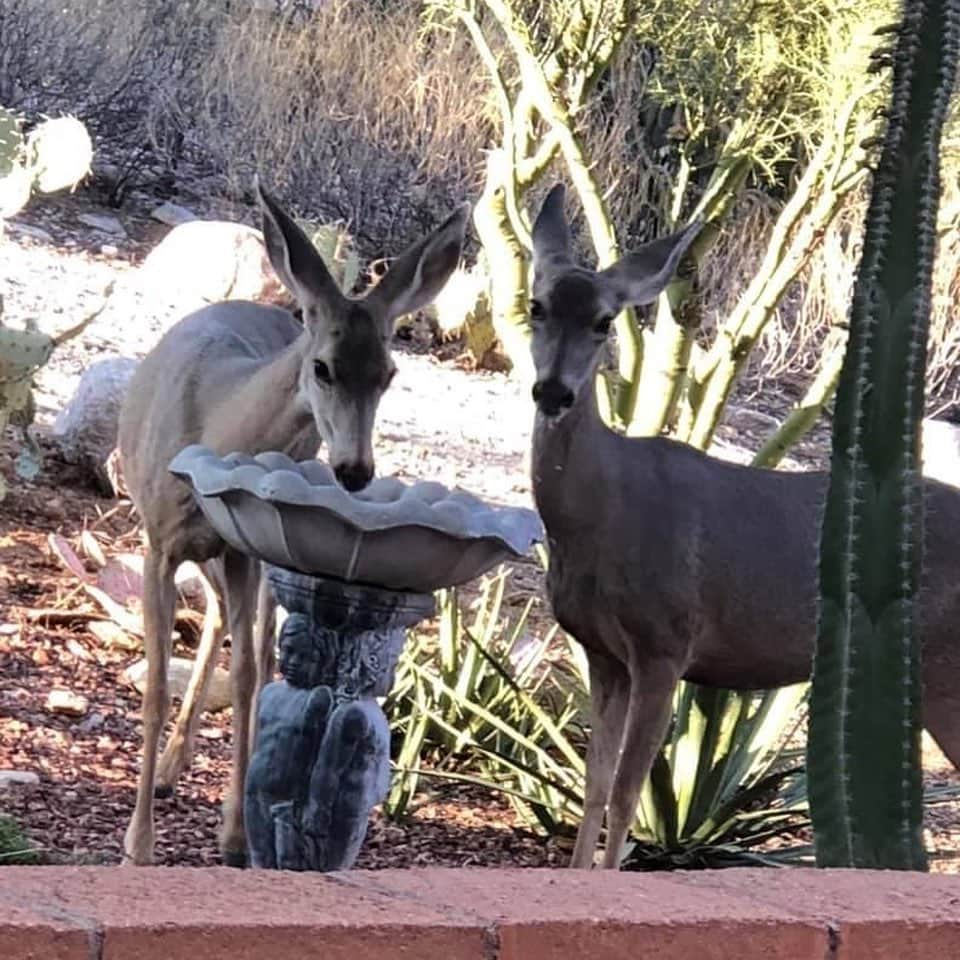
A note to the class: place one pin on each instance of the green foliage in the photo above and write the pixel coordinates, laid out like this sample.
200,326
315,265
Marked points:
865,716
487,703
15,848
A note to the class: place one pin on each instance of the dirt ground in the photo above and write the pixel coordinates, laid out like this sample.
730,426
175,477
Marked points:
439,422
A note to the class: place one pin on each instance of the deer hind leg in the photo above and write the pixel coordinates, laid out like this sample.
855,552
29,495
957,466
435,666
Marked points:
179,749
159,602
609,699
648,715
240,575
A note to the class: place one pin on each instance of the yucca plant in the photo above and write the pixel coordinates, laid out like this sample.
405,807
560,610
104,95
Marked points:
865,714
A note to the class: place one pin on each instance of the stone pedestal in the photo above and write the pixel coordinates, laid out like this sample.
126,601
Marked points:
322,756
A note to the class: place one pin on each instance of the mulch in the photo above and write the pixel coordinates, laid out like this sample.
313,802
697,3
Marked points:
88,764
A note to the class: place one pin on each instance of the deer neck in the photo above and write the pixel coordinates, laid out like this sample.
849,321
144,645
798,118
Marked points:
263,411
569,465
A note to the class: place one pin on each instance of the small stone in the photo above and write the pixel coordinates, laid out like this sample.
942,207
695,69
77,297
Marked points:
102,222
219,695
67,702
17,778
94,722
29,230
109,249
172,214
9,629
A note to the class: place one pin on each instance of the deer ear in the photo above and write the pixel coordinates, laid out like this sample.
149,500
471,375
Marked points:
294,258
639,277
422,270
551,235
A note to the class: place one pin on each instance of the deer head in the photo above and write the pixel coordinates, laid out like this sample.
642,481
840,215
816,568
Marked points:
346,363
573,307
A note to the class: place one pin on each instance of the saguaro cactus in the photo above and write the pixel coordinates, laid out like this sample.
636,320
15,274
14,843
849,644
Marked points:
865,783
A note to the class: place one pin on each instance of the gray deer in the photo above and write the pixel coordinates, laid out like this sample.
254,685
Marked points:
666,563
240,376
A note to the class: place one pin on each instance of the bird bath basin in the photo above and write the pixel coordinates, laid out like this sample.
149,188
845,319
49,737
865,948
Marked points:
353,572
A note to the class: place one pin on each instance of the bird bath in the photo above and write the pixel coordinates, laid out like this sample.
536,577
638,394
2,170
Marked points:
353,572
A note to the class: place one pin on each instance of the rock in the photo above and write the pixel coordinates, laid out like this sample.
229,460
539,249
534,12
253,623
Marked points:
111,634
109,249
941,451
29,230
743,419
86,428
67,702
206,261
172,214
9,629
94,722
178,678
17,778
103,222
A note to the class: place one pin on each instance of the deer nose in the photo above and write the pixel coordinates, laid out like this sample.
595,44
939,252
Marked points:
353,476
552,397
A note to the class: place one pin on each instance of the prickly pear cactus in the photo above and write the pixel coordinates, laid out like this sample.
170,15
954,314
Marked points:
11,141
863,756
59,154
22,354
56,155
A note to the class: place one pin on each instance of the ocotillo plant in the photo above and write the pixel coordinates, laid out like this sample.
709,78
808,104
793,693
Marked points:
864,774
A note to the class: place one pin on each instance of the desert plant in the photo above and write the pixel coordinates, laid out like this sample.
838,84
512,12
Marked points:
865,713
15,848
55,155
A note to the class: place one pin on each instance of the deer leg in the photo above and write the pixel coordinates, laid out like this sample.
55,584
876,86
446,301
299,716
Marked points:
263,645
159,604
240,574
941,716
179,749
648,715
609,699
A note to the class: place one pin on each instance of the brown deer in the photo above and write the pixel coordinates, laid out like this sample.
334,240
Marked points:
666,563
240,376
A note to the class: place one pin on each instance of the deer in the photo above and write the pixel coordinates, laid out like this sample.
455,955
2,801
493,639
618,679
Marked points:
244,377
666,563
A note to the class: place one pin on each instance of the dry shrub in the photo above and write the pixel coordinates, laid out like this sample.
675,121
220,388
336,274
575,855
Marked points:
354,111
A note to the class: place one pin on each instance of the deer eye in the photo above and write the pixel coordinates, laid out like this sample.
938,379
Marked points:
602,326
322,372
536,311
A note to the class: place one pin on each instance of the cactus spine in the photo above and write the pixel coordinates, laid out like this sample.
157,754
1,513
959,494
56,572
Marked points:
864,775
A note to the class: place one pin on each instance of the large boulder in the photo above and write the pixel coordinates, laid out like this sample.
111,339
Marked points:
86,428
206,261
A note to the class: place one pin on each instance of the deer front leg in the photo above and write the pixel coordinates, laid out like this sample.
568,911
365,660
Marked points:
179,749
240,573
159,602
609,699
648,715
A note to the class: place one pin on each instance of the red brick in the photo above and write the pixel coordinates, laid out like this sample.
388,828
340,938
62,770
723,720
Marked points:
554,914
33,929
222,914
873,913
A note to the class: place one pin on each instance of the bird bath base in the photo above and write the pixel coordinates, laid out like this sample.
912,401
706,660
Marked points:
321,759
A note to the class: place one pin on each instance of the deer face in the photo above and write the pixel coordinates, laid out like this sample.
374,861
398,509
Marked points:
346,364
573,308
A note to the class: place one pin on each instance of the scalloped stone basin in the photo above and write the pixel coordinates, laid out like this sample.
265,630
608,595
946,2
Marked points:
418,537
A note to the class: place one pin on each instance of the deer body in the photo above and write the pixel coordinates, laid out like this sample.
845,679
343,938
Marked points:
241,377
666,563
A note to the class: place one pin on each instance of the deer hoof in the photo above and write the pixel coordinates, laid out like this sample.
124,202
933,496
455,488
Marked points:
235,858
162,791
